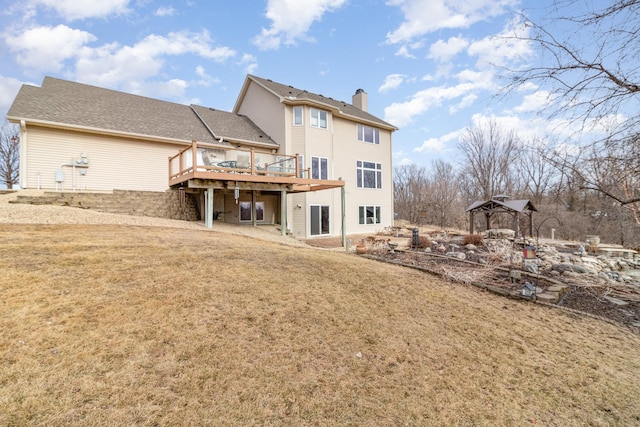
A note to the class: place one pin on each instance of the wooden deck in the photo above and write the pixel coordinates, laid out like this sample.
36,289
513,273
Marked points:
217,167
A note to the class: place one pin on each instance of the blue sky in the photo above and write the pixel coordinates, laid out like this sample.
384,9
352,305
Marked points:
428,66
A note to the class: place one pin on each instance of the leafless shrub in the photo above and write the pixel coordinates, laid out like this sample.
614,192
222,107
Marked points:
390,231
423,242
375,245
500,251
474,239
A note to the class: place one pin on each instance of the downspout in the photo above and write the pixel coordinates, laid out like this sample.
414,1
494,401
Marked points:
344,218
283,212
23,154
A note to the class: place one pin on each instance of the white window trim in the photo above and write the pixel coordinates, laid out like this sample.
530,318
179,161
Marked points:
360,131
377,171
311,118
319,167
328,233
377,214
301,108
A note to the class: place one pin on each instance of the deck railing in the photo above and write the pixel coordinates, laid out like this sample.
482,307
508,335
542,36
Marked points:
201,158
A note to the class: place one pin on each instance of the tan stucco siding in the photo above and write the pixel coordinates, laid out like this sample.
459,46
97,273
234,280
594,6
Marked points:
114,163
266,111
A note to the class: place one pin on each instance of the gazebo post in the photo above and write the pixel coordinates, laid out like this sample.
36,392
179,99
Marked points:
531,224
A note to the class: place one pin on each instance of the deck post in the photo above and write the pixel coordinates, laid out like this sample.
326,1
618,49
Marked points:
194,155
208,211
283,212
253,208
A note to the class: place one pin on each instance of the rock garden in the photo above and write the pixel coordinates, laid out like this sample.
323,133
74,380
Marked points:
590,277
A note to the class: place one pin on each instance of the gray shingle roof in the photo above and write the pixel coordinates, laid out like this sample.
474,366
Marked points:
510,205
232,126
75,104
70,104
300,94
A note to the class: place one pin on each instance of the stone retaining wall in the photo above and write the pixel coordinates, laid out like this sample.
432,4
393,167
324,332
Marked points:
169,204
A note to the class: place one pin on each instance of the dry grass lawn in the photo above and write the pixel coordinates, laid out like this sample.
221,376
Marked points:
121,325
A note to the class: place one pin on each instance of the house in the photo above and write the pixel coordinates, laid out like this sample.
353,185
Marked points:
282,156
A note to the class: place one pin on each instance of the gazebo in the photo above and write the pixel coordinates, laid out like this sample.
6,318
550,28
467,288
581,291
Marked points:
501,204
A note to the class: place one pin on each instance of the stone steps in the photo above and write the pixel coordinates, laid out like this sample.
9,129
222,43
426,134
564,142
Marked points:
552,294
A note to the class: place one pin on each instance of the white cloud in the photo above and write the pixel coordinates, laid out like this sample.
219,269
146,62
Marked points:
402,113
392,81
74,9
112,65
492,50
400,159
163,11
425,16
445,50
536,101
249,62
438,144
170,89
465,102
503,49
46,48
404,52
481,79
205,80
9,88
291,20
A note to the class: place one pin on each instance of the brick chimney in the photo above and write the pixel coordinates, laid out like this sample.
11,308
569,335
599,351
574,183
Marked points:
359,100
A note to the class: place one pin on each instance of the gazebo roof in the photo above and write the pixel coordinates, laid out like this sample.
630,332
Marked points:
523,205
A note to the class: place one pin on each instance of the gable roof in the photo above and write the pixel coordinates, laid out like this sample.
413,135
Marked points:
230,126
64,104
523,205
292,95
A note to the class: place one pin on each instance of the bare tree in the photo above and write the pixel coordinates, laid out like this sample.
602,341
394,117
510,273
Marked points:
444,194
410,192
9,155
612,169
488,154
595,82
535,169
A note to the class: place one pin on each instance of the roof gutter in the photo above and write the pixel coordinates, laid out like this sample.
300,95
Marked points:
98,131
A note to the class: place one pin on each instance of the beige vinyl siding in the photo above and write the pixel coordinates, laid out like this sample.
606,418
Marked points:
114,163
320,143
298,216
266,111
348,151
340,145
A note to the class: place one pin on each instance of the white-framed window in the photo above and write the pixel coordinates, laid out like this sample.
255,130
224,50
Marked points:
369,214
318,118
319,168
298,115
368,134
319,220
368,174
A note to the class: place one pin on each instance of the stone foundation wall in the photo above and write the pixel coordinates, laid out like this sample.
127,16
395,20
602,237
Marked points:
170,204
